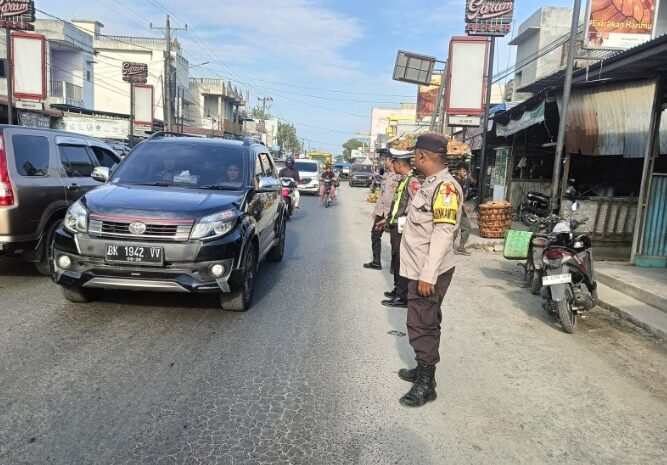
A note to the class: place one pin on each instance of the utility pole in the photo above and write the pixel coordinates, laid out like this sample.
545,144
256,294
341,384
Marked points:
560,143
481,182
8,72
168,94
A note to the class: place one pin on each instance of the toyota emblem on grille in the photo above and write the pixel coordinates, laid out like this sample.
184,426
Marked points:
137,228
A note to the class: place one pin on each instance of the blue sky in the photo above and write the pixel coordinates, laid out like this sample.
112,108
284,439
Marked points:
325,63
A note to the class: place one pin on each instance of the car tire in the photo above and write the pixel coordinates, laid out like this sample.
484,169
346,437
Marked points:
239,301
45,265
79,295
278,251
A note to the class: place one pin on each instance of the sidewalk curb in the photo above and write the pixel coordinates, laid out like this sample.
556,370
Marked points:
634,319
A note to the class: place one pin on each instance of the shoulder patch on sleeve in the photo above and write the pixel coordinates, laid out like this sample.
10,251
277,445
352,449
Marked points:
446,204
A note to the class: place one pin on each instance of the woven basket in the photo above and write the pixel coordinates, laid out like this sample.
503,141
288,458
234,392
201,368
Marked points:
494,219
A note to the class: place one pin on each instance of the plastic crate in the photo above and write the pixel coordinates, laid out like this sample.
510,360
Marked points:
517,244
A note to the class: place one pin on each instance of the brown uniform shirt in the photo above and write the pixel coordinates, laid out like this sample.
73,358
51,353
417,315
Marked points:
388,187
427,247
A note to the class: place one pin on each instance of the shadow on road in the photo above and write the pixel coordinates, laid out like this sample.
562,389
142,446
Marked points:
17,267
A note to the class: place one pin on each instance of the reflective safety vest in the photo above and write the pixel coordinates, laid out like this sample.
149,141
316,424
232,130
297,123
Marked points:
399,204
446,204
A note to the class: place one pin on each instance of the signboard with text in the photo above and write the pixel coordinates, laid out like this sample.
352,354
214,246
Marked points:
136,73
17,14
103,127
466,76
614,25
489,17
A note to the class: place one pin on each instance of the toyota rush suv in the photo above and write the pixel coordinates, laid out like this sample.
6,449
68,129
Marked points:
180,214
42,173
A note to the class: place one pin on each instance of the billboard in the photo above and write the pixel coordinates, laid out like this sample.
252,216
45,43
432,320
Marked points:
466,75
143,104
17,14
614,25
489,17
104,127
135,72
427,97
28,66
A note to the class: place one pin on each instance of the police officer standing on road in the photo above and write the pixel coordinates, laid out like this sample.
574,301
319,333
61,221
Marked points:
427,260
405,193
388,186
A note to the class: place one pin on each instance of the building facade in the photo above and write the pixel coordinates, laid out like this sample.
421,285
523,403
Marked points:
380,121
214,103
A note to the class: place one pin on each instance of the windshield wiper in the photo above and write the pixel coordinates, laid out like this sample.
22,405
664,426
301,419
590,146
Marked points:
157,184
218,187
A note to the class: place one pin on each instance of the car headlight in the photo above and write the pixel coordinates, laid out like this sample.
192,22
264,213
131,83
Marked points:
76,218
215,225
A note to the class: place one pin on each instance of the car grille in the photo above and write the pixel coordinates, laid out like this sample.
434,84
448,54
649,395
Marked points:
306,180
112,227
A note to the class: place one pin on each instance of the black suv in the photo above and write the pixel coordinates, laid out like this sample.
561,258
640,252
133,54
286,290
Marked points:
180,214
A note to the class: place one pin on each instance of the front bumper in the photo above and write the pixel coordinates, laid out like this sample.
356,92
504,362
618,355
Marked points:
310,187
187,265
360,181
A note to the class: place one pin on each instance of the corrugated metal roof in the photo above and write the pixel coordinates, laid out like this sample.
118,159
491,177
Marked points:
611,120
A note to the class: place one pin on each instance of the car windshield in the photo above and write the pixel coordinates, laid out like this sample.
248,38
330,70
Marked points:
362,168
305,166
183,164
280,164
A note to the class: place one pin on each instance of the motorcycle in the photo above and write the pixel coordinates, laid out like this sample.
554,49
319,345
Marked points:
568,283
326,198
287,190
533,204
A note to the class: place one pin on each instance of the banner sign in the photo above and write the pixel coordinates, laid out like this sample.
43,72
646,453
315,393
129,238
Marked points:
528,119
614,25
426,98
28,66
102,127
135,72
466,75
34,120
489,17
17,14
143,104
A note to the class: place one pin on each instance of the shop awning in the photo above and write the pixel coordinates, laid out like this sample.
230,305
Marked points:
525,120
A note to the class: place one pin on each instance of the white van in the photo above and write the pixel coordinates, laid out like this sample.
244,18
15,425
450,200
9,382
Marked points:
309,172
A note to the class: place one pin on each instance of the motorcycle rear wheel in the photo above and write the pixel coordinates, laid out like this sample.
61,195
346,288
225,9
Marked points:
568,319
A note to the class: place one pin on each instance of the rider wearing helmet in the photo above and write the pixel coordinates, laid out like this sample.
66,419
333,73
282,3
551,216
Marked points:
328,173
290,172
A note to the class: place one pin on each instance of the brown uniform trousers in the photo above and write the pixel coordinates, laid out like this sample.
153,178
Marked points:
425,318
400,282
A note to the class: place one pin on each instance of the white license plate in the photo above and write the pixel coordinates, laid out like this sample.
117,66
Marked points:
556,279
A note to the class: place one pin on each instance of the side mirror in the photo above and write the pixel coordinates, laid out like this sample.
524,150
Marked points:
268,184
575,206
101,174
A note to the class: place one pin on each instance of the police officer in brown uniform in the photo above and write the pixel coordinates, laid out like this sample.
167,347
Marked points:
388,186
427,260
405,192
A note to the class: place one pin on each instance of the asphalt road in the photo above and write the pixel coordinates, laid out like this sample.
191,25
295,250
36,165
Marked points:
308,375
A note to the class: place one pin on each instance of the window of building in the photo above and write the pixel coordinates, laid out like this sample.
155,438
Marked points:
88,77
3,72
31,154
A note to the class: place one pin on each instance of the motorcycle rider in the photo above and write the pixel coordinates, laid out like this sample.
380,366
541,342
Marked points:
290,172
328,173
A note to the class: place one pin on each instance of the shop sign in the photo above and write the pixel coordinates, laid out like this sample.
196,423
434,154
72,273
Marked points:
135,72
614,25
96,126
34,120
17,14
25,105
489,17
528,119
456,121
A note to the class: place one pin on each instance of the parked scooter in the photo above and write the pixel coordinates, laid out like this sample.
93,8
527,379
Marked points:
288,187
569,286
533,204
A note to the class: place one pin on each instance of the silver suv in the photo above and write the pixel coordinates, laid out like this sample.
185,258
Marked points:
43,172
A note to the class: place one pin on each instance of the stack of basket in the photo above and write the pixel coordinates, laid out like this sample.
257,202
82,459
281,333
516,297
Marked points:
494,219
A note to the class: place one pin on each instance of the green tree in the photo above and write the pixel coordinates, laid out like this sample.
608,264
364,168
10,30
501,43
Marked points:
352,144
260,114
287,137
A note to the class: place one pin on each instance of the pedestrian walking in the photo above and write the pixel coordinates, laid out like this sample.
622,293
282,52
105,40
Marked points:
405,193
466,183
427,260
388,186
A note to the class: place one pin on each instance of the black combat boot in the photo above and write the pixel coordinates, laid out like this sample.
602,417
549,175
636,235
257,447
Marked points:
373,265
408,374
424,388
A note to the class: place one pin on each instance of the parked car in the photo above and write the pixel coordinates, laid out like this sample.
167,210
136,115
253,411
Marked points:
361,175
180,214
42,173
309,172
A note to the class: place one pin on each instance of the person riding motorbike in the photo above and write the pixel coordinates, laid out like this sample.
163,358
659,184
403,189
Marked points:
328,173
290,172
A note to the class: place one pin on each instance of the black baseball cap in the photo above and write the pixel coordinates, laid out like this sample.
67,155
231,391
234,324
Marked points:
435,143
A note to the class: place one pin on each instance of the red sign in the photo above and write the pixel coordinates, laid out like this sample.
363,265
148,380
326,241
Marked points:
135,72
489,17
17,14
